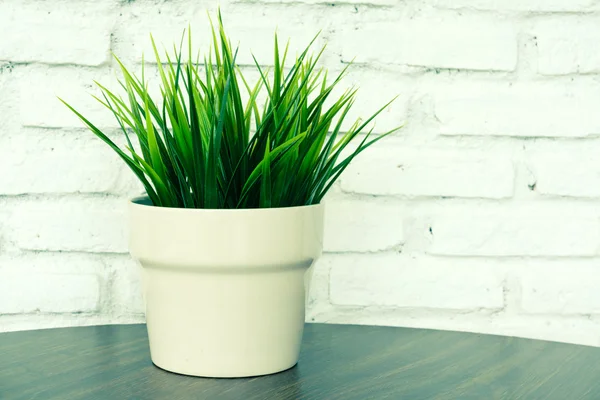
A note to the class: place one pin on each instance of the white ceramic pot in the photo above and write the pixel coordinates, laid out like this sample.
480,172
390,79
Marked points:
225,289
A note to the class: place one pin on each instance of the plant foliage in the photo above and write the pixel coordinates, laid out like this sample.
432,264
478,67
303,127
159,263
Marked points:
201,146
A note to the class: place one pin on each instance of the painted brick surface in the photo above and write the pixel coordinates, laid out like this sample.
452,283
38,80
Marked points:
68,224
49,283
565,169
402,171
560,287
518,5
480,215
393,280
379,226
42,156
41,87
568,46
521,109
514,233
56,32
413,42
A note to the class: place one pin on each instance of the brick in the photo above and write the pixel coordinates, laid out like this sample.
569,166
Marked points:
49,283
52,162
560,287
125,285
413,42
48,293
166,23
524,109
568,45
514,232
317,282
9,91
517,5
570,170
250,26
254,28
58,32
392,280
332,3
40,107
360,226
375,89
401,171
69,224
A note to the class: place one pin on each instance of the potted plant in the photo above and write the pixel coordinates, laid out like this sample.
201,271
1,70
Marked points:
233,217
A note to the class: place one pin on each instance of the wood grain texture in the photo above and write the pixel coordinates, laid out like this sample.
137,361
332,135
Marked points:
337,362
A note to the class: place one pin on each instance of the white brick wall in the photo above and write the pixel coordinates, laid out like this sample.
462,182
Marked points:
55,32
520,108
568,45
514,233
67,224
398,280
518,5
469,42
482,214
420,171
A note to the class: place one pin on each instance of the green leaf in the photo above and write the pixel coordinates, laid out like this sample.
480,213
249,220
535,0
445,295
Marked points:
265,186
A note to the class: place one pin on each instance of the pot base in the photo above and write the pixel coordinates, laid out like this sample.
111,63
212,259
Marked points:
225,323
210,376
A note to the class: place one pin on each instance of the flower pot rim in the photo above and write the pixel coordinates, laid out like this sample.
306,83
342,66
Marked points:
142,201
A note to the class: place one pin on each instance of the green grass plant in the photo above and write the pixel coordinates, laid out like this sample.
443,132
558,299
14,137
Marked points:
199,145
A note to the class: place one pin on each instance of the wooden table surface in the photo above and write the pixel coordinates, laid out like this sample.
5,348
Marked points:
337,362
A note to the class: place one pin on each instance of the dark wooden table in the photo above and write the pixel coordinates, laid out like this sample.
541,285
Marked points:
337,362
